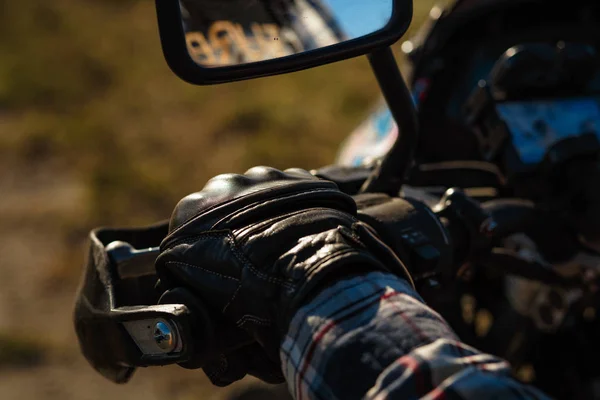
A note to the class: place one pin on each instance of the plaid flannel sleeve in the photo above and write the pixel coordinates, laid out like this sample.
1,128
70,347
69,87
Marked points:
373,337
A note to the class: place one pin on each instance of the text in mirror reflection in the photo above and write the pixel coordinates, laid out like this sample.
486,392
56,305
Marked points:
227,43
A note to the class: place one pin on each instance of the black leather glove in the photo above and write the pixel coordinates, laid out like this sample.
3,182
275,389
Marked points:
256,247
412,230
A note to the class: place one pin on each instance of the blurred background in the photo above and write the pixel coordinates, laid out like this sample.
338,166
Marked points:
96,130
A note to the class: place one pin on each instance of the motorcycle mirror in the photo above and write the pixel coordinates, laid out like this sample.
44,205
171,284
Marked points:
217,41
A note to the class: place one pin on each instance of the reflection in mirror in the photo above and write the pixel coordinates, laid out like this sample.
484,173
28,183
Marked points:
231,32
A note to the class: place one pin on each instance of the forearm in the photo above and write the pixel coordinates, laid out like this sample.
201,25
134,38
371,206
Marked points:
373,336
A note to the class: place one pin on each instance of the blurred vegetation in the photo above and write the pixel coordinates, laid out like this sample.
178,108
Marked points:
84,90
96,130
19,351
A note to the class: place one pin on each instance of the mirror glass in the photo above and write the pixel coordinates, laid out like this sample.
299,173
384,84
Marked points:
233,32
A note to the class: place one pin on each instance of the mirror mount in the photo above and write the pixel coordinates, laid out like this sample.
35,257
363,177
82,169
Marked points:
390,172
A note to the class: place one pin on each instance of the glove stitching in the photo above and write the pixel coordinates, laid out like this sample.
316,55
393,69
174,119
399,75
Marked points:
181,264
247,263
252,318
352,233
243,236
258,226
232,298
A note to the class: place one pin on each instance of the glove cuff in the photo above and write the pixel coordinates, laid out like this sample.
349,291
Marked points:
358,251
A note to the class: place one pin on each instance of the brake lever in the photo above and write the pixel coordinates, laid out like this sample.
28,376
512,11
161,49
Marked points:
159,338
130,262
119,325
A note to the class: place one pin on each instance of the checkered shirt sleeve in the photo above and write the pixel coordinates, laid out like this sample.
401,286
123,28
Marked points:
373,337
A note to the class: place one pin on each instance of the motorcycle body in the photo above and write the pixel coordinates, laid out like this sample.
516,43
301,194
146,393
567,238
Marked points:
529,103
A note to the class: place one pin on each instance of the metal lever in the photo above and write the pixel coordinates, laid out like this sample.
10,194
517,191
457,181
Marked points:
131,262
183,334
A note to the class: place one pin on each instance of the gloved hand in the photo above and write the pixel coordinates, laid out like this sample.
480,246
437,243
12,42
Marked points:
411,229
255,248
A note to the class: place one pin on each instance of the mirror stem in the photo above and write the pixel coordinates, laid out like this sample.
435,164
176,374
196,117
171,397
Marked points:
390,173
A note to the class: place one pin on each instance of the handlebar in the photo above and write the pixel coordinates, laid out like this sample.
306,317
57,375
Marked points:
150,328
476,228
